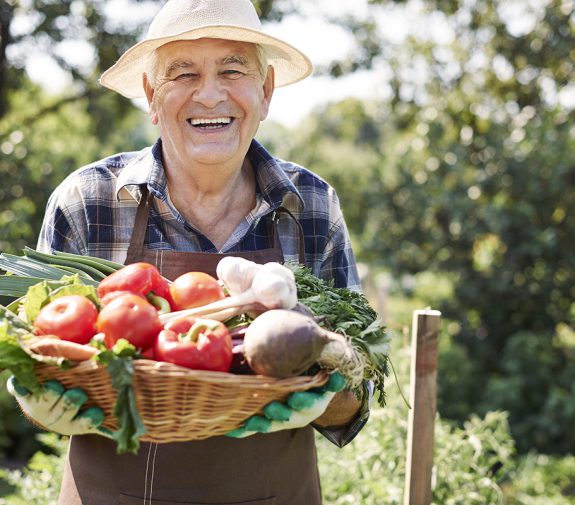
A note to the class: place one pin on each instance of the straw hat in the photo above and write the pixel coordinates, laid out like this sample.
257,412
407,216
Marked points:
195,19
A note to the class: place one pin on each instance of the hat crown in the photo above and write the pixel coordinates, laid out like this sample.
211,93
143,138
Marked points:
178,16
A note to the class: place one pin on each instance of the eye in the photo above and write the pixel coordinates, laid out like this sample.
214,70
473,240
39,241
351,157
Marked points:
184,75
232,74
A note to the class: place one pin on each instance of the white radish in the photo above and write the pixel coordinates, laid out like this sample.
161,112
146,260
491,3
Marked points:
273,287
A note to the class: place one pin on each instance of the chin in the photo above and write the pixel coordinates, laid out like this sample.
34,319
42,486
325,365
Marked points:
215,156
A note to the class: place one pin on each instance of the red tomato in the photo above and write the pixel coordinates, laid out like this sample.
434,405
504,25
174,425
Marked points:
194,289
131,317
71,318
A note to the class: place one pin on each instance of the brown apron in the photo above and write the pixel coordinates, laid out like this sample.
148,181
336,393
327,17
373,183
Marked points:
274,469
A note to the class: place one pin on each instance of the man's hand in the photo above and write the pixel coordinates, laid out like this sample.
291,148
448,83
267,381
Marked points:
59,409
301,408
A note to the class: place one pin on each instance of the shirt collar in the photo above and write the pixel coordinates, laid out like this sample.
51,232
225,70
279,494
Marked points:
273,182
147,168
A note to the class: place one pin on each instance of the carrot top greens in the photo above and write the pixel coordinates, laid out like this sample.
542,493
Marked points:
349,313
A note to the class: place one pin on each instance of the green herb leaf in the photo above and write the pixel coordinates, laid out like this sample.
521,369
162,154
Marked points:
120,366
12,356
349,313
44,292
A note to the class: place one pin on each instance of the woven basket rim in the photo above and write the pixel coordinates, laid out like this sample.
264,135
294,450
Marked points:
165,369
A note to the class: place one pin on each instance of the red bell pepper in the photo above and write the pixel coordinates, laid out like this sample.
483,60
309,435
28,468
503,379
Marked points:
141,279
200,344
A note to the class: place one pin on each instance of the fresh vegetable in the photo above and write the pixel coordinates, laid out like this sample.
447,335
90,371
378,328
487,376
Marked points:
71,318
120,364
54,346
347,312
131,317
284,343
200,344
115,294
41,294
194,289
36,267
272,287
236,273
138,278
12,355
20,350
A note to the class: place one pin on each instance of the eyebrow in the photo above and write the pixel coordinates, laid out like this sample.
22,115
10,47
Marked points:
235,58
239,59
178,64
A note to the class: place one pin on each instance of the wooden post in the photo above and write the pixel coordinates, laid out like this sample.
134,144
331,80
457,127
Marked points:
422,398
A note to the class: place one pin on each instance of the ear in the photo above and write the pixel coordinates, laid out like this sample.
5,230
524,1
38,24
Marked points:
268,91
149,90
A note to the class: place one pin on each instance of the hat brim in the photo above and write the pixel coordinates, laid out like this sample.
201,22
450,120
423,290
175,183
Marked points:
125,76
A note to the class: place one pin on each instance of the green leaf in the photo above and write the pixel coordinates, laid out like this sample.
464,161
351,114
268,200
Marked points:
349,313
120,366
12,356
29,268
44,292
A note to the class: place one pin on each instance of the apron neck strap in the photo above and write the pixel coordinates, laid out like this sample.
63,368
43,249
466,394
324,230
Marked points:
141,227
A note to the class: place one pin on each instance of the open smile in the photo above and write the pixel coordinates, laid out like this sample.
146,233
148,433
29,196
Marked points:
211,123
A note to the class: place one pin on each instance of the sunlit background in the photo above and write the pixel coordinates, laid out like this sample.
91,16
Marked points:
447,128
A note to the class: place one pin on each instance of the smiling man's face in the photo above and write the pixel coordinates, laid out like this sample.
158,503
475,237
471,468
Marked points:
208,98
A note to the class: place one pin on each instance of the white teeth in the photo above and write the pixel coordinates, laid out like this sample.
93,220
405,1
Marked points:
217,120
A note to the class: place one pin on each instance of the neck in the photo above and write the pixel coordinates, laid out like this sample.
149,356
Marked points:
214,201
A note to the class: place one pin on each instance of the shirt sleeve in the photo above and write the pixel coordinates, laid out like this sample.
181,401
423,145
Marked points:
338,262
58,232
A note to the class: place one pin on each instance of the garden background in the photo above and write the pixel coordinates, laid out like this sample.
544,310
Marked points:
448,131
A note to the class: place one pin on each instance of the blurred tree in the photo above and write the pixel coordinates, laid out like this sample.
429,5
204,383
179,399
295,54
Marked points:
469,172
465,167
44,137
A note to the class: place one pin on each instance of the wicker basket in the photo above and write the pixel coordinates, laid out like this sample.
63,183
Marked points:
177,404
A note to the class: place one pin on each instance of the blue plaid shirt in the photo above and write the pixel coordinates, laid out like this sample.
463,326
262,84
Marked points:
92,212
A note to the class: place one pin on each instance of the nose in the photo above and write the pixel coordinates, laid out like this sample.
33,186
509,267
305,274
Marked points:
209,91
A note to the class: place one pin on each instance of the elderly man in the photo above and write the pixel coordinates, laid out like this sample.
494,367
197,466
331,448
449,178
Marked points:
206,189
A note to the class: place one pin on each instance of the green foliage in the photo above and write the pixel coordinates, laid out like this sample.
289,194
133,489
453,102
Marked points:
543,480
540,401
39,481
466,172
38,154
472,462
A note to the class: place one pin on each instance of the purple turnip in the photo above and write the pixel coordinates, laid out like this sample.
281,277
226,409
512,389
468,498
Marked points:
284,343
